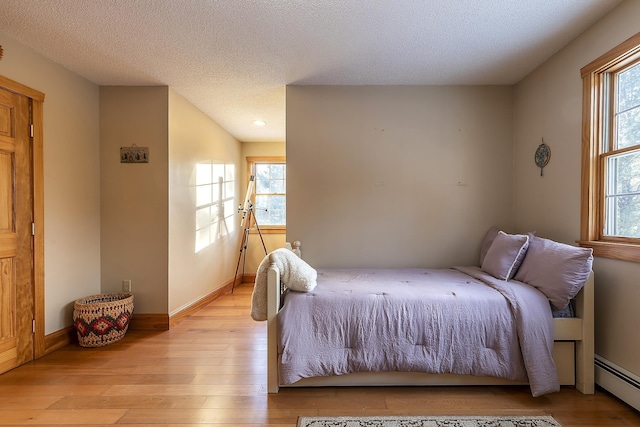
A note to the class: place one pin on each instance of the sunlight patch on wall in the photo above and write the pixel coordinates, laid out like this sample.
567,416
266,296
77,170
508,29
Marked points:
215,203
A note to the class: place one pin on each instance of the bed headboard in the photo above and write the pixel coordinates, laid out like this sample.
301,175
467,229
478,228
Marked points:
295,247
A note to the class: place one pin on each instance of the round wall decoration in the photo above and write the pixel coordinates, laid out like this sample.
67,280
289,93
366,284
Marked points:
543,153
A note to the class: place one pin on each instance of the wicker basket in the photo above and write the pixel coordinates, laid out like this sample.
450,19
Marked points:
102,319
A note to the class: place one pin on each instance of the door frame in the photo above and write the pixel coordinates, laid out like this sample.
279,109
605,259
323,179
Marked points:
37,170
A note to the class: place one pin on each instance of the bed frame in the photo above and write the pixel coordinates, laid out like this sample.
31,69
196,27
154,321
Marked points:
573,351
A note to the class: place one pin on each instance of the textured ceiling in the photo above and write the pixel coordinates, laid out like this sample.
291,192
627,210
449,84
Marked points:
233,58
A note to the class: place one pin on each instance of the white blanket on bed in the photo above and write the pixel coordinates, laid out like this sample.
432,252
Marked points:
295,274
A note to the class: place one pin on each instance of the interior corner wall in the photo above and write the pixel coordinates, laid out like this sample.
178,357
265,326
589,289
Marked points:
195,138
272,241
71,179
397,176
134,196
549,105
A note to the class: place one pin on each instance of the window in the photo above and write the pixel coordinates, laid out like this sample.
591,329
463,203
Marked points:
611,153
270,192
215,202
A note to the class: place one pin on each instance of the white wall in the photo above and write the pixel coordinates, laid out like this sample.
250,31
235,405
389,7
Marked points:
194,138
549,105
71,178
397,176
134,196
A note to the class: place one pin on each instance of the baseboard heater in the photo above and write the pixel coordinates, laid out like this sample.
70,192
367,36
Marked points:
618,381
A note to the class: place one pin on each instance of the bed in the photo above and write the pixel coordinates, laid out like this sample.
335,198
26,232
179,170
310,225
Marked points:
567,340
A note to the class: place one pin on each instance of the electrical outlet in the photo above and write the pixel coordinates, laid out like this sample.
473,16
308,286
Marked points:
126,286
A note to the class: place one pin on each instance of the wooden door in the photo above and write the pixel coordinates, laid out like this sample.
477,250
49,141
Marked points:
16,243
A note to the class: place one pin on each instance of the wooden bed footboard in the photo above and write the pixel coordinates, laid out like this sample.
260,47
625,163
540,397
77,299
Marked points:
274,294
573,350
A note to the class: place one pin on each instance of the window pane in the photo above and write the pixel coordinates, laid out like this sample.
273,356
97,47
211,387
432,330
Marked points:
629,88
622,197
262,185
266,174
262,171
628,128
270,192
625,220
262,203
277,203
277,186
276,171
625,173
270,210
628,108
271,217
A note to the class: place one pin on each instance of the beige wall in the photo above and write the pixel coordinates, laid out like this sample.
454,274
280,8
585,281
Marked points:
255,250
195,138
84,128
134,196
549,105
397,175
71,178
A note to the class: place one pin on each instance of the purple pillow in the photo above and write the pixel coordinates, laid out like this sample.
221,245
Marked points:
557,270
487,240
505,255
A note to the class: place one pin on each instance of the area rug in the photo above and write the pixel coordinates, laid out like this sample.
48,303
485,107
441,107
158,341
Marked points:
429,421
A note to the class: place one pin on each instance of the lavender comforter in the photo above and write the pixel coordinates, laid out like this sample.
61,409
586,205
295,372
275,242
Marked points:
460,321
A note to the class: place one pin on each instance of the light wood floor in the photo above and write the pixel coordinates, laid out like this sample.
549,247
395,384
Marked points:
210,370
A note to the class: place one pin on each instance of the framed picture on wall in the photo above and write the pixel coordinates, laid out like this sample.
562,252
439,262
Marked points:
134,154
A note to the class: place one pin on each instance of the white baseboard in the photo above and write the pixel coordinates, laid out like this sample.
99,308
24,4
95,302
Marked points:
618,381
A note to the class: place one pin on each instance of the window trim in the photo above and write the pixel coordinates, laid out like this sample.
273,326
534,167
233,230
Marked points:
594,79
251,161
